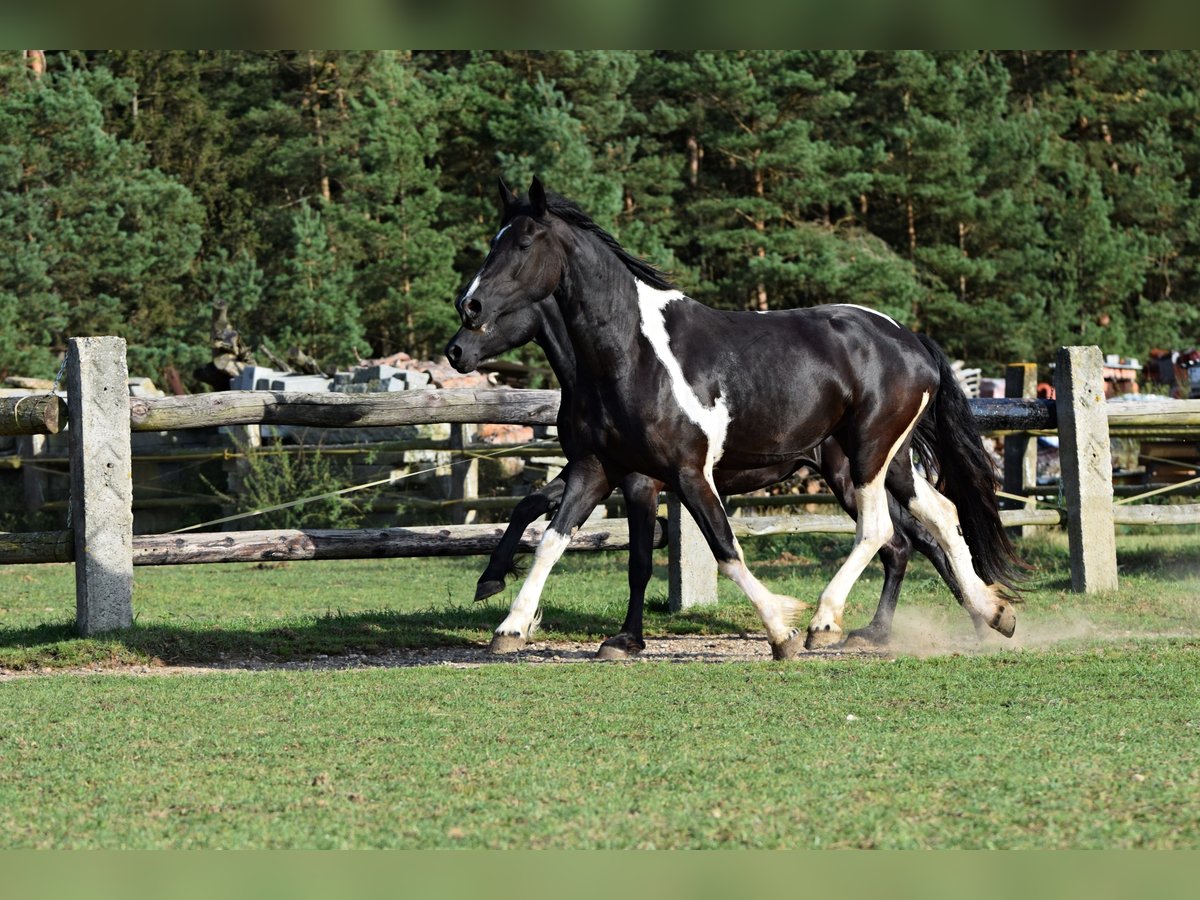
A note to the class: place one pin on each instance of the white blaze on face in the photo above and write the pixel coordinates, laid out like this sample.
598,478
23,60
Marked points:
479,276
868,309
714,420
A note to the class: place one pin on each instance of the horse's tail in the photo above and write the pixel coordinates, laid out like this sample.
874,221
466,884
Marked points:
948,437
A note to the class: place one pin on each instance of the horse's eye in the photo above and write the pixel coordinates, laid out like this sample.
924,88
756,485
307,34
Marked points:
525,243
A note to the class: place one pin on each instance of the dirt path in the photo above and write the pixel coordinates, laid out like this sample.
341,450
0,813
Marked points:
698,648
915,634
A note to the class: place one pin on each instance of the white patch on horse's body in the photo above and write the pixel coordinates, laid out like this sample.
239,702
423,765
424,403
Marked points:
874,529
713,420
523,612
876,312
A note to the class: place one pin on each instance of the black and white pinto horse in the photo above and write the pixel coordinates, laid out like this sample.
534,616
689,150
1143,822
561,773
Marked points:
690,396
543,324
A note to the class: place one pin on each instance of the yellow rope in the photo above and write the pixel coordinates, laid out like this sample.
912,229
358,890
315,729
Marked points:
1156,491
1017,497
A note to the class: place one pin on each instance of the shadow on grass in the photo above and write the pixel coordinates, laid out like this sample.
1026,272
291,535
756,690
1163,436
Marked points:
57,645
1161,562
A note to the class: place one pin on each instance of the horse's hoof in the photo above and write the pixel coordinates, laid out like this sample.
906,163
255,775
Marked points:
790,648
817,640
620,647
503,644
865,640
1005,620
486,589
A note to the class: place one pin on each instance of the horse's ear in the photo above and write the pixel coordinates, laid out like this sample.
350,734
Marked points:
507,196
537,197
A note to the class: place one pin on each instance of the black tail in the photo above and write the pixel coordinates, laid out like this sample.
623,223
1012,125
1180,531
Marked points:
948,437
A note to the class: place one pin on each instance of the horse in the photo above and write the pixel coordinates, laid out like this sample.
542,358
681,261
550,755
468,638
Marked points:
681,393
542,323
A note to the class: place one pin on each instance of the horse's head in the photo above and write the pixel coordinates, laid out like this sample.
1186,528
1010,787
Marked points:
513,328
524,267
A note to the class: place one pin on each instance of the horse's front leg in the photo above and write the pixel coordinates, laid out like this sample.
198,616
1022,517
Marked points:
587,484
500,564
778,612
641,505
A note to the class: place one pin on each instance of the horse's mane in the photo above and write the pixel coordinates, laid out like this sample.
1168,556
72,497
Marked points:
569,212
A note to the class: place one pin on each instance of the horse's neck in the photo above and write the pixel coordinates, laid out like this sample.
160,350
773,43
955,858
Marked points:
600,315
556,344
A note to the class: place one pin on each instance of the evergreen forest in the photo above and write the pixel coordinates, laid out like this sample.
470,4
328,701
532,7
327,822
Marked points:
1005,203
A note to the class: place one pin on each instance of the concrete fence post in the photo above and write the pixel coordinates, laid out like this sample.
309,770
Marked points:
691,569
101,483
1086,461
1020,449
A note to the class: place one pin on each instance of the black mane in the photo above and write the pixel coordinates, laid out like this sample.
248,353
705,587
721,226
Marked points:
569,212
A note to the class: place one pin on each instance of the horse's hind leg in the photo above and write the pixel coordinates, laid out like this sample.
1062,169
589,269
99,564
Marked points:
587,484
869,470
925,544
641,504
500,564
777,611
982,601
894,555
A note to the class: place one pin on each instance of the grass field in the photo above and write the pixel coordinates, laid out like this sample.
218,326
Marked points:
1083,736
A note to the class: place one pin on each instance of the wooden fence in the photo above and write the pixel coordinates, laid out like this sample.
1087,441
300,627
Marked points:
101,543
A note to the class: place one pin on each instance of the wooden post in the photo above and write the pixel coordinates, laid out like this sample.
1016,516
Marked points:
1086,468
31,448
464,476
101,483
31,414
691,569
1020,449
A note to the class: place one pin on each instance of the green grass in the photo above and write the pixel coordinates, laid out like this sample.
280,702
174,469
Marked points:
1084,738
296,610
1090,748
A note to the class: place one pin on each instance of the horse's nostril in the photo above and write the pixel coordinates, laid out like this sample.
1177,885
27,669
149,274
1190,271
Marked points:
454,353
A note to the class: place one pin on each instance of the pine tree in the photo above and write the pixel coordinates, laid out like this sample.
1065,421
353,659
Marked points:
404,279
99,238
310,304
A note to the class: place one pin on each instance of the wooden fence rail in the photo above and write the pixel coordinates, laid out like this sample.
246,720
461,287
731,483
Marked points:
105,551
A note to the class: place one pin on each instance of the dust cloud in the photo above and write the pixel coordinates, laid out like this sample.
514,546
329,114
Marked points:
926,632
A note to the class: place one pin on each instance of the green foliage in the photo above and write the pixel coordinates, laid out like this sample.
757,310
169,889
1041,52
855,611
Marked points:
276,474
1006,203
313,308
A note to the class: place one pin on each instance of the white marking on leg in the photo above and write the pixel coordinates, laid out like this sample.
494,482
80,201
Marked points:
524,609
713,420
937,513
874,528
776,611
